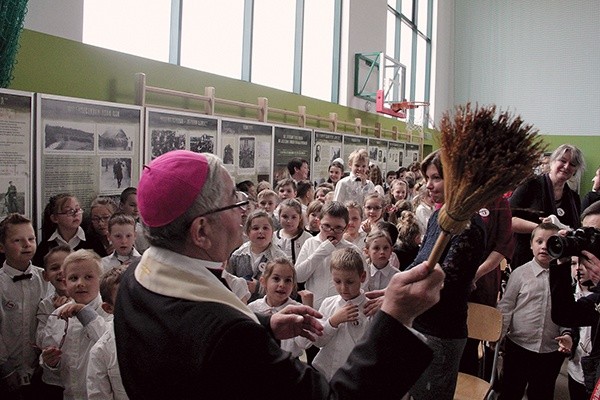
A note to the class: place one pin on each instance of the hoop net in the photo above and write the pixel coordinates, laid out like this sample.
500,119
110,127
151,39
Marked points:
417,113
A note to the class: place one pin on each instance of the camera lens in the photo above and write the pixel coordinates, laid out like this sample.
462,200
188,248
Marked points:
557,246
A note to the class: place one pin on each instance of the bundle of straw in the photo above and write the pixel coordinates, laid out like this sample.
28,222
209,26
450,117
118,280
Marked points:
484,155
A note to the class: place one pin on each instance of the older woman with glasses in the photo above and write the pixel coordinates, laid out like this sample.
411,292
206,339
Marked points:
546,198
180,332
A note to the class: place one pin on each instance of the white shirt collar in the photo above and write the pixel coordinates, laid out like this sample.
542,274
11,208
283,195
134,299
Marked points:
12,272
80,235
386,271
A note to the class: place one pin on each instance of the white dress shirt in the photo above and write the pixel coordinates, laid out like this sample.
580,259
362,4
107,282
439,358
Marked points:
75,240
46,306
312,267
379,278
78,342
351,188
103,375
114,260
337,343
18,322
525,309
260,306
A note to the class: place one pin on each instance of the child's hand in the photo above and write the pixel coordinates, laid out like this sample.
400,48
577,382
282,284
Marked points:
348,313
307,297
252,285
565,343
334,240
51,356
60,301
70,310
366,226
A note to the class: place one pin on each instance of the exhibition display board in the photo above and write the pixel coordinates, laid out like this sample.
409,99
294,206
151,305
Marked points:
93,148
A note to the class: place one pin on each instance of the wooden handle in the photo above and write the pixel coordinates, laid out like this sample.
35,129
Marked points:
438,248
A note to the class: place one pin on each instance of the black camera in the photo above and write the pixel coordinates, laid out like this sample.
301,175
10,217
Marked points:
575,242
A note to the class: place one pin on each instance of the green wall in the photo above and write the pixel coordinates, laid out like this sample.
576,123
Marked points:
52,65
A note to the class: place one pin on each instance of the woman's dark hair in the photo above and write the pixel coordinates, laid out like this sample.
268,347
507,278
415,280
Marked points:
434,158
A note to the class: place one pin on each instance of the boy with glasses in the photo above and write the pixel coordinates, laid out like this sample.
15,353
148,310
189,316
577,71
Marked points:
312,264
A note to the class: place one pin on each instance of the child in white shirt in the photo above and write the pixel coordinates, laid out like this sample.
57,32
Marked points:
344,322
357,185
268,200
103,375
52,273
279,282
291,236
378,250
73,328
249,260
21,289
535,345
121,232
312,264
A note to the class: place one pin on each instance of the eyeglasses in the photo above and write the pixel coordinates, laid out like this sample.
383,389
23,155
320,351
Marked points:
329,228
72,212
100,219
373,208
242,203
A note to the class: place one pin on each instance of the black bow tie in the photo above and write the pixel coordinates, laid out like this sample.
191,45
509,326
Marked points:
21,277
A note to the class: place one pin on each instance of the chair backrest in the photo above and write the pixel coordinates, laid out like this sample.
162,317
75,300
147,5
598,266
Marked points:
484,322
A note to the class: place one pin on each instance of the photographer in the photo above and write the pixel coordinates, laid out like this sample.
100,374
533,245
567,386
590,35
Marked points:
583,312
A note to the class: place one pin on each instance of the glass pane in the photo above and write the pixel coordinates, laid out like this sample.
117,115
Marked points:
422,17
137,27
273,43
407,8
390,38
420,72
406,53
211,36
317,49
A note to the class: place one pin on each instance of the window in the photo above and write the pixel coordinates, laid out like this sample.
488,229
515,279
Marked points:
317,49
409,34
137,27
291,45
273,43
212,36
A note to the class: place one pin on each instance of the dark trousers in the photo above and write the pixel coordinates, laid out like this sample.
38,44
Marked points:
34,391
577,390
527,369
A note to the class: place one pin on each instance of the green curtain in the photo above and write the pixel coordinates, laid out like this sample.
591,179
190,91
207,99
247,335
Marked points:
12,13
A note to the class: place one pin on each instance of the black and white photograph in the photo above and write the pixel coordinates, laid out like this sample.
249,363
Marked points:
164,140
177,130
12,196
247,152
115,173
228,154
114,139
203,144
65,136
16,161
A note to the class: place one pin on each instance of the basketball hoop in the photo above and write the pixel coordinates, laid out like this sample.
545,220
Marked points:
407,105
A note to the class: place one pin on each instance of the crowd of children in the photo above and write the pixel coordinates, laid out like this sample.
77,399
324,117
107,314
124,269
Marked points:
324,246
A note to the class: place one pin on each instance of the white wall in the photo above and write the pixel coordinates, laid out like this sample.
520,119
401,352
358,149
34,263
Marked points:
540,58
442,71
363,31
62,18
